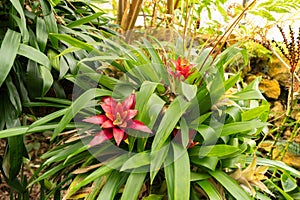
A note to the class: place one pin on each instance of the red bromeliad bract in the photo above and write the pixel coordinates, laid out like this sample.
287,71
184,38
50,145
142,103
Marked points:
177,134
117,119
182,68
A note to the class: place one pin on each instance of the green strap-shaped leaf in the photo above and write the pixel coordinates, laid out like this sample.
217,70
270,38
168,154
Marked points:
275,164
50,21
181,173
238,127
105,169
13,95
22,130
255,112
210,190
77,106
84,20
41,34
138,160
34,54
15,153
169,121
17,5
48,118
177,173
112,185
157,158
230,184
47,79
8,53
73,41
169,174
218,150
133,185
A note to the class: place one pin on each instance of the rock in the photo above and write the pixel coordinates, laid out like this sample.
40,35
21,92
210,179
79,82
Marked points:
270,88
277,112
279,72
296,112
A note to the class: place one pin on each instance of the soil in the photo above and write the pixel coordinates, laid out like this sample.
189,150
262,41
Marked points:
36,145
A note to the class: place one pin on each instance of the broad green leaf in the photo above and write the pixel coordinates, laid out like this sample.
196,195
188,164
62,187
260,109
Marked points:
276,164
73,41
84,20
169,174
199,176
25,34
261,196
137,160
188,91
48,118
158,64
41,34
149,114
247,95
15,155
209,189
13,95
254,112
147,88
198,122
58,167
230,184
185,133
229,54
34,54
208,162
45,104
34,81
288,183
105,58
56,100
133,185
97,187
157,158
8,53
239,127
232,81
103,170
169,121
231,161
63,67
24,129
77,105
64,153
208,133
50,21
154,197
204,60
295,196
181,173
218,150
54,59
112,185
47,79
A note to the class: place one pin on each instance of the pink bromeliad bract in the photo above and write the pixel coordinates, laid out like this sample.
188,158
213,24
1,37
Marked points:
117,119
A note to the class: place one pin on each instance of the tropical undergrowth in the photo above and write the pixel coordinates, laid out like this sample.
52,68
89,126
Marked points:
147,119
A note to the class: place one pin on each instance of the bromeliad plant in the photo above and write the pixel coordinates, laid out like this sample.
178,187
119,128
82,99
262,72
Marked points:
116,120
167,127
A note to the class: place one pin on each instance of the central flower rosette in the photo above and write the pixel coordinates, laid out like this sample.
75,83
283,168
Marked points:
182,68
118,118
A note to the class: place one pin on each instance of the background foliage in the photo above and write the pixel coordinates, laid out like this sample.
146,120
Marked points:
49,46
